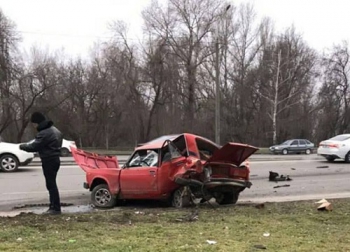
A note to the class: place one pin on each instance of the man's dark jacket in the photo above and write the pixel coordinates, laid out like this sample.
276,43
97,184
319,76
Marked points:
47,142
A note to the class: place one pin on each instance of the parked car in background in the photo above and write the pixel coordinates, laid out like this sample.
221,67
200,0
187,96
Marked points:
293,146
175,169
66,147
337,147
11,157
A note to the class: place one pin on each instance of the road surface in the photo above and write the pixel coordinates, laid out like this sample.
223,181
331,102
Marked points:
27,186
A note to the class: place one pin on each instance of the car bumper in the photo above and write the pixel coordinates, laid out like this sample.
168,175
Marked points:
26,162
330,152
274,151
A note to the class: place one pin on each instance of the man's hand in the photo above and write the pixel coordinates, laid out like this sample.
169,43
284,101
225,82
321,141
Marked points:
22,146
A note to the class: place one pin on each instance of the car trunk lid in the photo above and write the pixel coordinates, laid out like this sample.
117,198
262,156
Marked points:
232,153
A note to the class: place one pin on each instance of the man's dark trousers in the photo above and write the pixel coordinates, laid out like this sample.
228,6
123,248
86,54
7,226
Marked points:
51,165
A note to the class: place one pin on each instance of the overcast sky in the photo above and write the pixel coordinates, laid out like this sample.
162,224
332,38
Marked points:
76,24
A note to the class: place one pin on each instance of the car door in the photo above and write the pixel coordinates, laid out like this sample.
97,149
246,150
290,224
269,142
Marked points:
139,182
294,146
302,145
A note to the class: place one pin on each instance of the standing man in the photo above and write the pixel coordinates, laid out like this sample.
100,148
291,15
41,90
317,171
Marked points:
47,143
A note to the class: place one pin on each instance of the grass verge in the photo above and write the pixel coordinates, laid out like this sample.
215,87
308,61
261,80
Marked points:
293,226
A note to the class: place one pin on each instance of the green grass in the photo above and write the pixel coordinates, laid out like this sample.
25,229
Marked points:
295,226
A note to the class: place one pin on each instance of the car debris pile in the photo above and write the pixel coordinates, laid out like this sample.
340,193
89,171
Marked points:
275,177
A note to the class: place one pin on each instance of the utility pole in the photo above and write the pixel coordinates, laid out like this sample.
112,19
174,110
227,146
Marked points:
217,80
217,91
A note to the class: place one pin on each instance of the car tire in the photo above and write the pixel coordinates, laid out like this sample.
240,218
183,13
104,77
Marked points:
284,151
102,197
347,157
9,163
308,152
227,198
64,152
330,159
181,198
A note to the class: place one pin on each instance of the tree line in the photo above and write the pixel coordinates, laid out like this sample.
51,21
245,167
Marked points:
273,85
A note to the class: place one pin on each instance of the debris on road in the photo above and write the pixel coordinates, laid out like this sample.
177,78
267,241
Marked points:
325,205
323,166
275,177
281,186
260,206
292,168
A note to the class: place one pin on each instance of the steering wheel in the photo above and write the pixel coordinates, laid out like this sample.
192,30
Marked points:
143,161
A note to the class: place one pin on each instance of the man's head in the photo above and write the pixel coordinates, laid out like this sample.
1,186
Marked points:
37,118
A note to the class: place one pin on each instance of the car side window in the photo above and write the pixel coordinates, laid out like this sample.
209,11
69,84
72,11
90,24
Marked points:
302,142
295,142
144,158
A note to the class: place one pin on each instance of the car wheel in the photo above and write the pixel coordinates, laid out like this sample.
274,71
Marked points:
9,163
308,152
284,151
330,159
102,197
64,152
347,157
227,198
181,198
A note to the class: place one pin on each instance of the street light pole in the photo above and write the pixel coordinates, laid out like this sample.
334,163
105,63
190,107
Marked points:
217,82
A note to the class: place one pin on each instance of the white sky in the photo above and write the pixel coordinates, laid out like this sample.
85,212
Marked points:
76,24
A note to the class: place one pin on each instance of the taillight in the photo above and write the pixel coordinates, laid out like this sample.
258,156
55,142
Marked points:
333,145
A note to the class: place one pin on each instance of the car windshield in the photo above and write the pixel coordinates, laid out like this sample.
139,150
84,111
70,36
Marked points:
340,138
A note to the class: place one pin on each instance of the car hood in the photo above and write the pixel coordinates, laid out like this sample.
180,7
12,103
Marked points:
234,153
87,160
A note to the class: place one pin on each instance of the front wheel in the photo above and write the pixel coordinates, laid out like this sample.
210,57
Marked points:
284,151
308,152
102,197
9,163
181,197
227,198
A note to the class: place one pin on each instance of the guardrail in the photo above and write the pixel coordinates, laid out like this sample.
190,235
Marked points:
256,157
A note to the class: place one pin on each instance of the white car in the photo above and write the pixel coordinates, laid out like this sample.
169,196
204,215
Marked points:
65,149
337,147
11,157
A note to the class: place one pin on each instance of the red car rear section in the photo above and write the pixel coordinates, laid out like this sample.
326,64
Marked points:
194,168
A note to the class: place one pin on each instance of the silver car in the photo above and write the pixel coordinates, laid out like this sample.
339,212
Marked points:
293,146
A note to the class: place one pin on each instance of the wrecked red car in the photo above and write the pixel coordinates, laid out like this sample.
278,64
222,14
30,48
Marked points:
175,168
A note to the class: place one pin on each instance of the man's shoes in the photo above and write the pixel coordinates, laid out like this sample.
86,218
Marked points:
53,212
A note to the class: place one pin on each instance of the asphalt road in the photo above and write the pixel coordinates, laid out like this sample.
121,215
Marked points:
308,182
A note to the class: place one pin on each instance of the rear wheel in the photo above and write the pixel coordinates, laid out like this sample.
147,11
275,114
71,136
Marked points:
227,198
347,157
102,197
64,152
9,163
